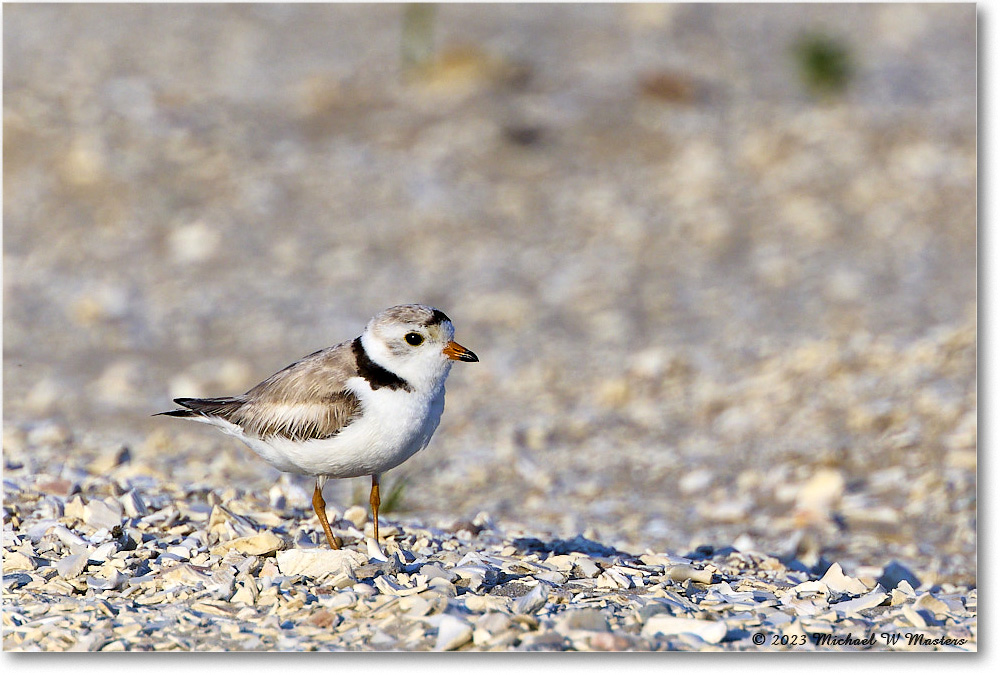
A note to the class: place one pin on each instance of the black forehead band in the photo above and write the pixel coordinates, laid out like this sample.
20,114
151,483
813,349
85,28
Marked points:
438,317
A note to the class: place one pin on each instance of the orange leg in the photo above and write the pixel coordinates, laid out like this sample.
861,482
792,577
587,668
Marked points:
374,501
319,506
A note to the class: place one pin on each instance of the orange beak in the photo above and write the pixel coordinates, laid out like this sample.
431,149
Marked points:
457,352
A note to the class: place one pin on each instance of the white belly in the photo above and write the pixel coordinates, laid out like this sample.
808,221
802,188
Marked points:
394,425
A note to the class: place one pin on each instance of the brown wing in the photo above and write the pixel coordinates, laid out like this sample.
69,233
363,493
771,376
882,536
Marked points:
305,400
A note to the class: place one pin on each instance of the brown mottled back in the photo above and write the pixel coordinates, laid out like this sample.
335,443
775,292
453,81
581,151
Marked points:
303,401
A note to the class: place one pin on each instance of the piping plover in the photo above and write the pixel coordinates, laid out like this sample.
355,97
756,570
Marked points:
358,408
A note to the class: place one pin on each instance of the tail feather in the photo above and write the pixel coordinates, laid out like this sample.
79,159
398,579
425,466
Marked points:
224,407
177,413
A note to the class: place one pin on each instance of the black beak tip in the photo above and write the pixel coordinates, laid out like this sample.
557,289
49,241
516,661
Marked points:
469,357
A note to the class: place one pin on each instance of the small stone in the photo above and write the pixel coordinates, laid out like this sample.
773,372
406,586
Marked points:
914,617
340,601
415,606
837,581
49,434
12,582
357,515
375,551
533,601
894,572
587,568
43,396
100,514
809,588
867,601
664,624
662,559
474,576
553,577
71,565
493,622
324,619
318,563
104,551
246,593
194,243
931,604
681,573
613,579
112,581
543,640
582,619
75,508
452,633
744,543
817,496
695,481
436,572
107,461
181,552
388,587
261,543
224,525
14,561
269,569
486,603
723,593
68,538
223,585
59,487
563,563
610,642
117,386
132,502
902,593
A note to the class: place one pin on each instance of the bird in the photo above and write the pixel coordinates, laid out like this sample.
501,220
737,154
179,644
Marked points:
358,408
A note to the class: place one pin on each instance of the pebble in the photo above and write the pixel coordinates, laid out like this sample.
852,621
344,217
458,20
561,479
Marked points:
533,600
895,573
104,551
685,572
101,514
902,593
132,502
257,544
837,581
12,582
112,581
67,537
452,633
194,242
318,563
867,601
71,565
15,561
582,619
817,496
375,552
709,631
610,642
587,568
357,515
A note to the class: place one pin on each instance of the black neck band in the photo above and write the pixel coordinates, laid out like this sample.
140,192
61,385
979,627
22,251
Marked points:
376,375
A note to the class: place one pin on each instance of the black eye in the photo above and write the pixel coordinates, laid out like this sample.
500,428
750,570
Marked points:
414,338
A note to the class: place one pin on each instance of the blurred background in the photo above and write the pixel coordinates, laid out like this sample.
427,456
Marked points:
718,262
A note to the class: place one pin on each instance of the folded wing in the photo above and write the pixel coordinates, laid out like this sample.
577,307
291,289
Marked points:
306,400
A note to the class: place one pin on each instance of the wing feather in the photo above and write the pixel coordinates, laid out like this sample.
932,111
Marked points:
306,400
